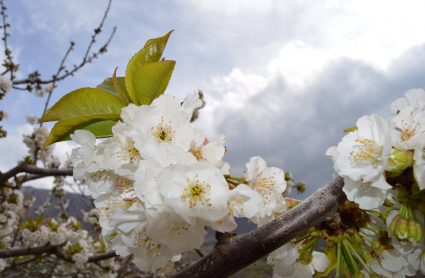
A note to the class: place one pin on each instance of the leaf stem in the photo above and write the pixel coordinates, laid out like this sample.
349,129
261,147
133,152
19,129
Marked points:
338,259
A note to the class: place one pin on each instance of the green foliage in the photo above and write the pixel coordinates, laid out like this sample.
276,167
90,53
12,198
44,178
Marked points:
151,52
99,125
108,86
98,109
83,102
351,129
151,80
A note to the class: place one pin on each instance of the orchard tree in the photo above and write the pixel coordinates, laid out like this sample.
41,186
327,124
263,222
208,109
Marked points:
157,183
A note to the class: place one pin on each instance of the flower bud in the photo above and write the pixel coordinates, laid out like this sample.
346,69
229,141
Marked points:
378,247
414,231
393,224
401,228
357,239
358,275
367,256
398,161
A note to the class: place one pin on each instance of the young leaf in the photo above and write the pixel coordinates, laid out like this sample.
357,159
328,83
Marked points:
83,102
99,125
351,129
151,80
38,220
108,86
151,52
117,86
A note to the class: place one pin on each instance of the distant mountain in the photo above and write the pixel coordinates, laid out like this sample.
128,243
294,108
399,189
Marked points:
77,203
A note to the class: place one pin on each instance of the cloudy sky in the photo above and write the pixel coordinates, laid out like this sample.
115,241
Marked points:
282,79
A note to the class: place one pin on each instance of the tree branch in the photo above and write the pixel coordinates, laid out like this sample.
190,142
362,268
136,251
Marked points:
9,64
233,253
51,249
32,169
86,58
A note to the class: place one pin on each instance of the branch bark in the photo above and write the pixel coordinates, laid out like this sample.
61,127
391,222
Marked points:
233,253
51,249
31,169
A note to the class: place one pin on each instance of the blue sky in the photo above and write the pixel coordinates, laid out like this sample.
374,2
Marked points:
282,79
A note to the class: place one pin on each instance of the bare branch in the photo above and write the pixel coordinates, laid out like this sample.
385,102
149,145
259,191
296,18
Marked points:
199,252
232,253
32,169
87,58
51,249
10,66
4,253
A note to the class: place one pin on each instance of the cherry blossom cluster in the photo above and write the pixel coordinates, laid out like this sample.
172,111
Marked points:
378,232
158,183
68,234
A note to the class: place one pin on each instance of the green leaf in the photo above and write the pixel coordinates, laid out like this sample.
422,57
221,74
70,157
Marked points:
151,80
117,86
83,102
351,129
99,125
108,86
38,220
151,52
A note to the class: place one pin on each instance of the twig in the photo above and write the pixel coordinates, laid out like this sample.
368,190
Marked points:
123,270
16,233
232,252
85,60
32,169
15,264
53,268
7,51
61,67
51,249
199,252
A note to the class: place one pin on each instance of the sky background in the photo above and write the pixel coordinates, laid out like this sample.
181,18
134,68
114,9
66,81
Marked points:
282,79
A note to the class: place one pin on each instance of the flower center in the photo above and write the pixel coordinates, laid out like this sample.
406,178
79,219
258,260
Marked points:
264,185
197,152
124,185
196,192
366,151
129,152
408,130
163,132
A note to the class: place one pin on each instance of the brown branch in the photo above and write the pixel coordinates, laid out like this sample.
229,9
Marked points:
86,58
15,264
7,51
32,169
5,253
51,249
199,252
101,257
233,253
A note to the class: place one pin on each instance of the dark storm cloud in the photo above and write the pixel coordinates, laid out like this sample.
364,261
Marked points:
297,136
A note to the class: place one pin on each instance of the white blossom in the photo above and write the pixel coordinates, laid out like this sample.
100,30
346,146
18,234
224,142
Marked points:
364,153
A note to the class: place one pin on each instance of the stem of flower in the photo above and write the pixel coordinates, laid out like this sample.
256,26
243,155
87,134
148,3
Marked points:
371,229
352,262
359,259
232,182
366,237
234,178
338,259
374,212
314,241
301,239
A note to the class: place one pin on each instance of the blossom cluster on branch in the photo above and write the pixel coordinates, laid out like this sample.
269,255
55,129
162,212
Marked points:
158,183
378,232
